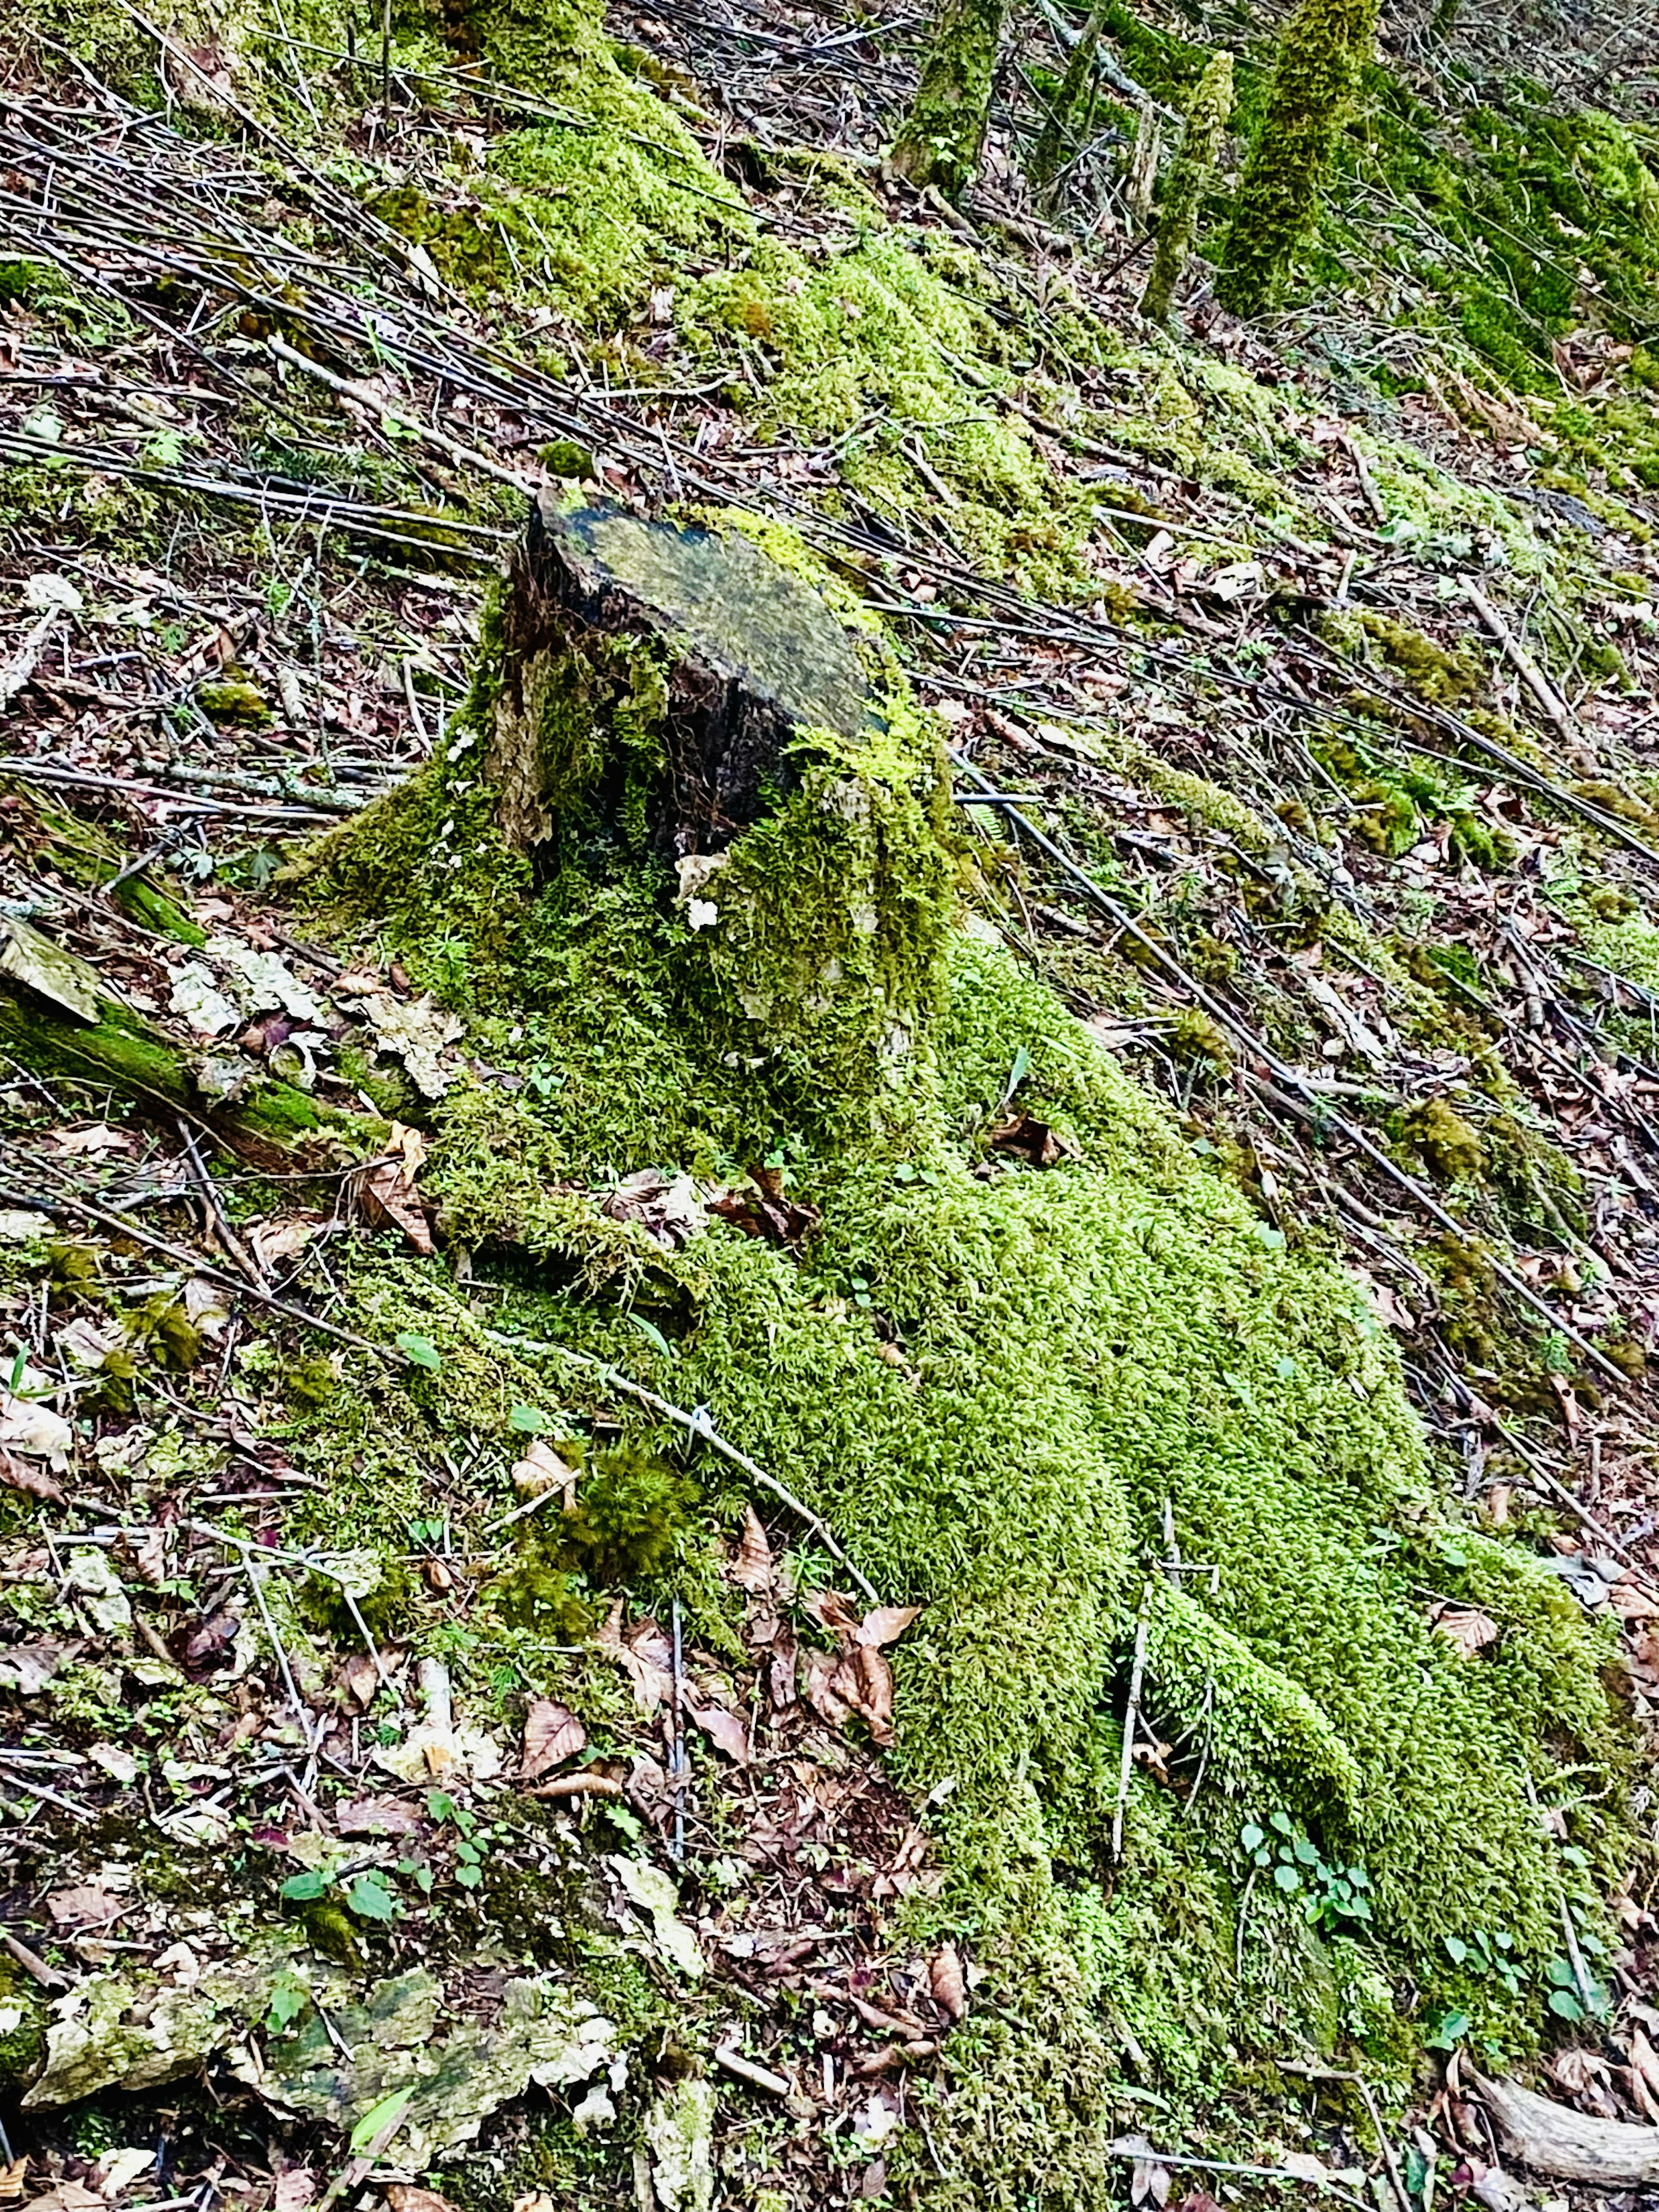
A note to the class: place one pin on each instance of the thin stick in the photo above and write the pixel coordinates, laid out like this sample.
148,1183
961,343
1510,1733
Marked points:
1132,1718
699,1425
679,1850
1525,667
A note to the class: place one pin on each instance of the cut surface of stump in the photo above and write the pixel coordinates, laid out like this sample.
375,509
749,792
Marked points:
710,657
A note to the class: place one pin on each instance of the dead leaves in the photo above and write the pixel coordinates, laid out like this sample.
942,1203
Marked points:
644,1656
552,1734
387,1188
752,1569
1465,1627
948,1982
1030,1139
856,1679
761,1207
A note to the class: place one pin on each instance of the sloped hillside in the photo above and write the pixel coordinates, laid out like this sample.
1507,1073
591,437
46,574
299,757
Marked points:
627,1577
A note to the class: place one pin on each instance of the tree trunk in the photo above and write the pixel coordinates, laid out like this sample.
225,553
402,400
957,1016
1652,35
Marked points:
1190,180
1322,52
940,142
1054,141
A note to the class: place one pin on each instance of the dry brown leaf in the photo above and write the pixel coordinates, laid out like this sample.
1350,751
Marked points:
387,1190
552,1734
11,2181
404,2196
542,1469
270,1244
1033,1140
752,1568
886,1624
726,1731
361,1677
947,1981
836,1612
294,2190
1467,1628
66,2197
34,1481
86,1906
376,1816
643,1655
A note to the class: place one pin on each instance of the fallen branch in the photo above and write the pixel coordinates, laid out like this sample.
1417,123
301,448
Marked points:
1526,667
1572,2146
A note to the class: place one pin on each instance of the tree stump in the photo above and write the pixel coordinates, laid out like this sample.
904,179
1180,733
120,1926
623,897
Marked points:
672,722
726,656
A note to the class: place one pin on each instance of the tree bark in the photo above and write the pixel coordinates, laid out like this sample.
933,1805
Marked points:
1322,52
942,135
1190,180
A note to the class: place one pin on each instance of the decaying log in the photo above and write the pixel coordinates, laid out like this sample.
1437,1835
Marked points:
1552,2139
59,1019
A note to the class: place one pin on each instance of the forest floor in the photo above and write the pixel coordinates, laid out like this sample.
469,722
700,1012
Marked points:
1300,686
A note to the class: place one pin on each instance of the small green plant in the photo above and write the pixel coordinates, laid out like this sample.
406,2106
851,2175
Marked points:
1333,1897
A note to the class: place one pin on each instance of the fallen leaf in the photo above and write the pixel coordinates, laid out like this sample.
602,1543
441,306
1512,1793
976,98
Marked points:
404,2196
271,1243
1467,1628
36,1431
886,1624
947,1983
666,1208
1306,2167
87,1906
388,1188
542,1469
644,1656
1031,1140
120,1765
24,1474
376,1816
763,1210
752,1568
552,1734
120,2169
92,1141
27,1668
296,2187
836,1612
726,1731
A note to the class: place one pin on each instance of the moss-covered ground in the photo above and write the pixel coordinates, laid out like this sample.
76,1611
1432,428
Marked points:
1146,1397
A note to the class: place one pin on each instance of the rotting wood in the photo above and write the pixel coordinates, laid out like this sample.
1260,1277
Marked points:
1572,2146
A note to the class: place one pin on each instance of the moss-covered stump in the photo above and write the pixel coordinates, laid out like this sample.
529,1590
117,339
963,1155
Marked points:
671,736
1012,1390
709,658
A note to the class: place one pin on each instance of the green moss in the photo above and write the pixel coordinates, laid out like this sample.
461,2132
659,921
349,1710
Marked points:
939,141
1321,52
1189,180
1448,1147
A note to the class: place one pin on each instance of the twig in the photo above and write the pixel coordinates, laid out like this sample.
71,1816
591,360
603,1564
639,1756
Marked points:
699,1425
73,1202
678,1847
1178,2159
1525,667
1132,1718
1310,2072
247,1265
745,2069
33,1964
577,1785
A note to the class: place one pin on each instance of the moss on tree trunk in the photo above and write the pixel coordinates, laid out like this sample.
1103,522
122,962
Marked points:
1322,52
1049,154
1190,180
940,142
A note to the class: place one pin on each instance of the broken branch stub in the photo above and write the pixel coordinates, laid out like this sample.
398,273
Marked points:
652,680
